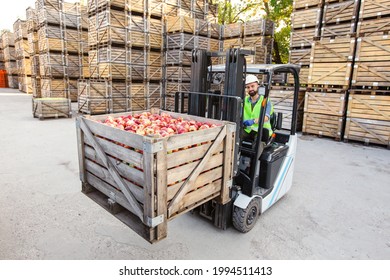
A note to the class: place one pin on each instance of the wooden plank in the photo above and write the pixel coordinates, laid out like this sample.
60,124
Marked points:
161,191
325,103
322,125
228,161
374,107
368,131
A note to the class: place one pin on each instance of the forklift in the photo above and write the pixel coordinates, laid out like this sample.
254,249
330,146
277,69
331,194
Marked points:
264,166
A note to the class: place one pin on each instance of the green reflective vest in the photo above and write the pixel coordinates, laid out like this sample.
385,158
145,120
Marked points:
250,115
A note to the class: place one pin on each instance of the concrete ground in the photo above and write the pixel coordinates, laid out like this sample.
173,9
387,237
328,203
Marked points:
338,207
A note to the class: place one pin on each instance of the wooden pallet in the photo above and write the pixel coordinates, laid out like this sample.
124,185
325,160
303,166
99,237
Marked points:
322,125
151,183
373,107
51,108
325,103
307,18
374,9
303,38
368,131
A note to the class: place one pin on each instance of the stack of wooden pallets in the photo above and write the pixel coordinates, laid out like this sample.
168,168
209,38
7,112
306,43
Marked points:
22,54
10,58
2,65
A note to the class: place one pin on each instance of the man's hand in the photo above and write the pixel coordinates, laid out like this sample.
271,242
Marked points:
249,122
266,119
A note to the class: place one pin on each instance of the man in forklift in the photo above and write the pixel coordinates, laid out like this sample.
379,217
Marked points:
252,108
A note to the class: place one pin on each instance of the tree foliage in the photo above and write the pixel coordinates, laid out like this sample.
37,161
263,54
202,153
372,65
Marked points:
279,11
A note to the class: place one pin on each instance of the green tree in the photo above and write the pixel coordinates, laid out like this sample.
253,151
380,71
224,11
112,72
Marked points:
279,11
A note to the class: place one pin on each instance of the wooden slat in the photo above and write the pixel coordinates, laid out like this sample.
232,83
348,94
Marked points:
368,131
374,107
161,191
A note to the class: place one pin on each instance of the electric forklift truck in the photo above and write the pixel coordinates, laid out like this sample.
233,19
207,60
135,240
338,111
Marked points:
264,166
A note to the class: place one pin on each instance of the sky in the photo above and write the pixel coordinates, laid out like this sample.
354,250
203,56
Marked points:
13,10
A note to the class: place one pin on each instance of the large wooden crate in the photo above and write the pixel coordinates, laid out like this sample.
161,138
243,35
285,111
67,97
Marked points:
372,66
50,38
336,13
51,108
303,38
52,65
322,125
377,26
147,181
368,131
325,103
180,24
374,107
180,41
374,9
48,11
305,18
232,30
262,27
335,74
54,88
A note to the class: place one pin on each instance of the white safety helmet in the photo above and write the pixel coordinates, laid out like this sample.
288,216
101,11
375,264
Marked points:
251,79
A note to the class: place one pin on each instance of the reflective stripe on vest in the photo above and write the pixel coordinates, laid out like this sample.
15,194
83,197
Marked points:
250,115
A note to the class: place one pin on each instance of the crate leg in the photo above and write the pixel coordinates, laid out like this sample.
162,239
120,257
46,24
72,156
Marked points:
87,188
114,207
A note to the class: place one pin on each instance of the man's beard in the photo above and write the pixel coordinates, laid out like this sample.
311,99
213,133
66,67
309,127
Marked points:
252,93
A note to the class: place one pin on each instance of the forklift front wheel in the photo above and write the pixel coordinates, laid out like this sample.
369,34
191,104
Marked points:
245,219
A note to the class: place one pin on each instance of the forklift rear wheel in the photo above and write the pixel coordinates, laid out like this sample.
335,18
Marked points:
245,219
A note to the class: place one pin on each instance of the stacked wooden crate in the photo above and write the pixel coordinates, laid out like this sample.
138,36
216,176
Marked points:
33,50
51,45
368,114
22,54
187,26
145,52
10,58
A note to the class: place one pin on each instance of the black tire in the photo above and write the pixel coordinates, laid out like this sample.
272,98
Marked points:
245,219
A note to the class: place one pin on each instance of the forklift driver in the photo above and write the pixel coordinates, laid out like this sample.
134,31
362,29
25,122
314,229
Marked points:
252,107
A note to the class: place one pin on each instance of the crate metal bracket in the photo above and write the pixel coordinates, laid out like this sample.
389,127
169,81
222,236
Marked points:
152,222
153,147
